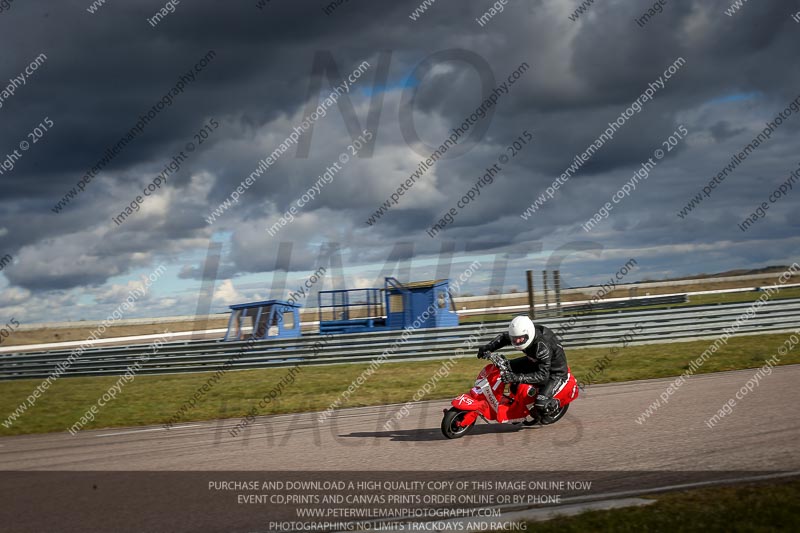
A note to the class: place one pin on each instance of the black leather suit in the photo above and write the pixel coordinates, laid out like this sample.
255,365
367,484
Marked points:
544,364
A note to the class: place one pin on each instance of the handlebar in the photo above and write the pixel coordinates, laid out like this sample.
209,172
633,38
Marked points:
499,360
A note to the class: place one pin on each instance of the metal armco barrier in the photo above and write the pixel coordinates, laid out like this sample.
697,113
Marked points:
590,330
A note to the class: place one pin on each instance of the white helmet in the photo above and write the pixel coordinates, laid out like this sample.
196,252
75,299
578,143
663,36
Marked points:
522,332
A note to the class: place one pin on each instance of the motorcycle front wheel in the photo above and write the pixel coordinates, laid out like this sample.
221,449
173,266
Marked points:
450,427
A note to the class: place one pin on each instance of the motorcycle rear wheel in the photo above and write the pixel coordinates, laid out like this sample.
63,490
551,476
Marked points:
450,427
556,417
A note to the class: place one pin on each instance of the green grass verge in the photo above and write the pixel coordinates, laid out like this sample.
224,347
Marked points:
154,399
752,507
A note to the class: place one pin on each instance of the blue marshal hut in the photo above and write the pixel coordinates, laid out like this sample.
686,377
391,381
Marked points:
396,306
269,319
420,304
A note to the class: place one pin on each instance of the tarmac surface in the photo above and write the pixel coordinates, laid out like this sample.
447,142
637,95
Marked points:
167,473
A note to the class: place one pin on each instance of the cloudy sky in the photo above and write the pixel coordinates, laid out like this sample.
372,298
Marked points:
265,65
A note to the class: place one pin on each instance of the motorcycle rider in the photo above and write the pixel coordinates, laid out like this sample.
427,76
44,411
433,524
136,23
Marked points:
544,364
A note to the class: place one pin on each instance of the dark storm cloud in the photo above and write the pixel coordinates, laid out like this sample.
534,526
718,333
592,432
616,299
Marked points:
104,70
724,130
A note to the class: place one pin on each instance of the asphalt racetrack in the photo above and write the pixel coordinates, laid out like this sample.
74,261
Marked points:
599,432
598,439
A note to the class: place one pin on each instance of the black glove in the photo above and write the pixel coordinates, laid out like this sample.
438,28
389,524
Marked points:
547,406
482,352
510,377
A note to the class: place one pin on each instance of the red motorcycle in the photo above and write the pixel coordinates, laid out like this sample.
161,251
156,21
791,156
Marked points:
488,400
